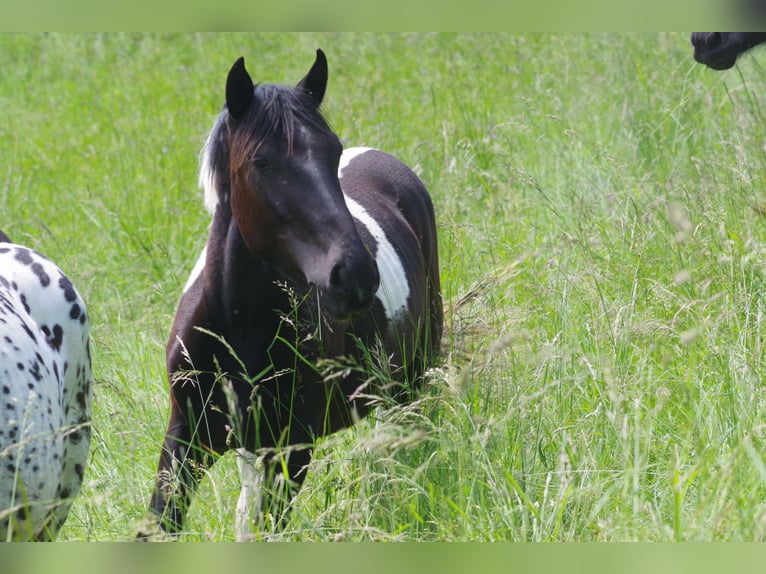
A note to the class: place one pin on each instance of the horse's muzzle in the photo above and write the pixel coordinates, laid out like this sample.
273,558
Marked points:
711,50
352,287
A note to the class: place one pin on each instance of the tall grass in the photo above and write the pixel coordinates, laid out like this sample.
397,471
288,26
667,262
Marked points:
600,202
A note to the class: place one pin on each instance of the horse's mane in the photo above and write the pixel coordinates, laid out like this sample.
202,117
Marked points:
213,163
275,112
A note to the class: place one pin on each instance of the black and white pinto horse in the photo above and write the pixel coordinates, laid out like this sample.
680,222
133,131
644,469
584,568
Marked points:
720,50
45,394
314,253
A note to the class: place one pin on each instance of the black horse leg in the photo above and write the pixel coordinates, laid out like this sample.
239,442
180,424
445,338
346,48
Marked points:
182,463
284,476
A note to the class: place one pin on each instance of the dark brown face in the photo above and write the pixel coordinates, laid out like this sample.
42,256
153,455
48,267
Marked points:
290,209
287,201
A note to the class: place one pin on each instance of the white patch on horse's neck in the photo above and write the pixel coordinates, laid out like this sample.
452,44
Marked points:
394,290
348,155
197,271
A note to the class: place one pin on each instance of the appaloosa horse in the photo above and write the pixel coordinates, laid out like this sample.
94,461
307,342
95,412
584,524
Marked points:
719,50
313,253
45,394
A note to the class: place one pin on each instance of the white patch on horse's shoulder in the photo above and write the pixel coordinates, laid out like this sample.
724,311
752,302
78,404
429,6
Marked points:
394,290
197,271
348,155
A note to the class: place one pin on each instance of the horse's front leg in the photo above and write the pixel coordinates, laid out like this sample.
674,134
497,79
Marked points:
249,503
181,466
265,498
284,473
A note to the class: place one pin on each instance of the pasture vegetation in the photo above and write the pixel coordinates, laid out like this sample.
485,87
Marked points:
601,205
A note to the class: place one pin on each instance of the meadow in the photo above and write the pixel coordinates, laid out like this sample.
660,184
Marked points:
602,224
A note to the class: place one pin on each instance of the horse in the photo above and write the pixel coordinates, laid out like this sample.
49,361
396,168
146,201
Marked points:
317,291
720,50
45,394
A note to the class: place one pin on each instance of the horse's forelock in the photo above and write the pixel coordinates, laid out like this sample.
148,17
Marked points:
275,113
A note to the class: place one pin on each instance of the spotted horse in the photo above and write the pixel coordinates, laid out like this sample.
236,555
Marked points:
45,394
316,256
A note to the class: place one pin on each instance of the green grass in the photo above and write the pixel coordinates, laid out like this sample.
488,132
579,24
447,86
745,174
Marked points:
600,204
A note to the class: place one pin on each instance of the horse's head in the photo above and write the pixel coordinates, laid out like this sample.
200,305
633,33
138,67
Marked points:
719,50
285,196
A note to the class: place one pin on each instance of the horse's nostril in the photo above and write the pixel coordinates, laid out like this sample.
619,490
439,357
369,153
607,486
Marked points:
357,283
706,40
336,275
713,39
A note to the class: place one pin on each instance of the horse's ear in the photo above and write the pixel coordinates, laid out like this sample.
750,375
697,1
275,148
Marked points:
239,90
315,81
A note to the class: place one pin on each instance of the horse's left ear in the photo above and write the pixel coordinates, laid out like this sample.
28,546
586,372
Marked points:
315,81
239,90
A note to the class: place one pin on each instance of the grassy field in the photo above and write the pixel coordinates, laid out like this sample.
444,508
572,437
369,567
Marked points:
600,201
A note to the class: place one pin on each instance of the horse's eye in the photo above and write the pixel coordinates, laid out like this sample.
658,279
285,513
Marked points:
261,164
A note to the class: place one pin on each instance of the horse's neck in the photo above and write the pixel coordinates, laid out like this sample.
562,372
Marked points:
241,286
248,300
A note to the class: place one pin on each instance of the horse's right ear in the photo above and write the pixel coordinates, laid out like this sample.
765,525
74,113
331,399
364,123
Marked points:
239,90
